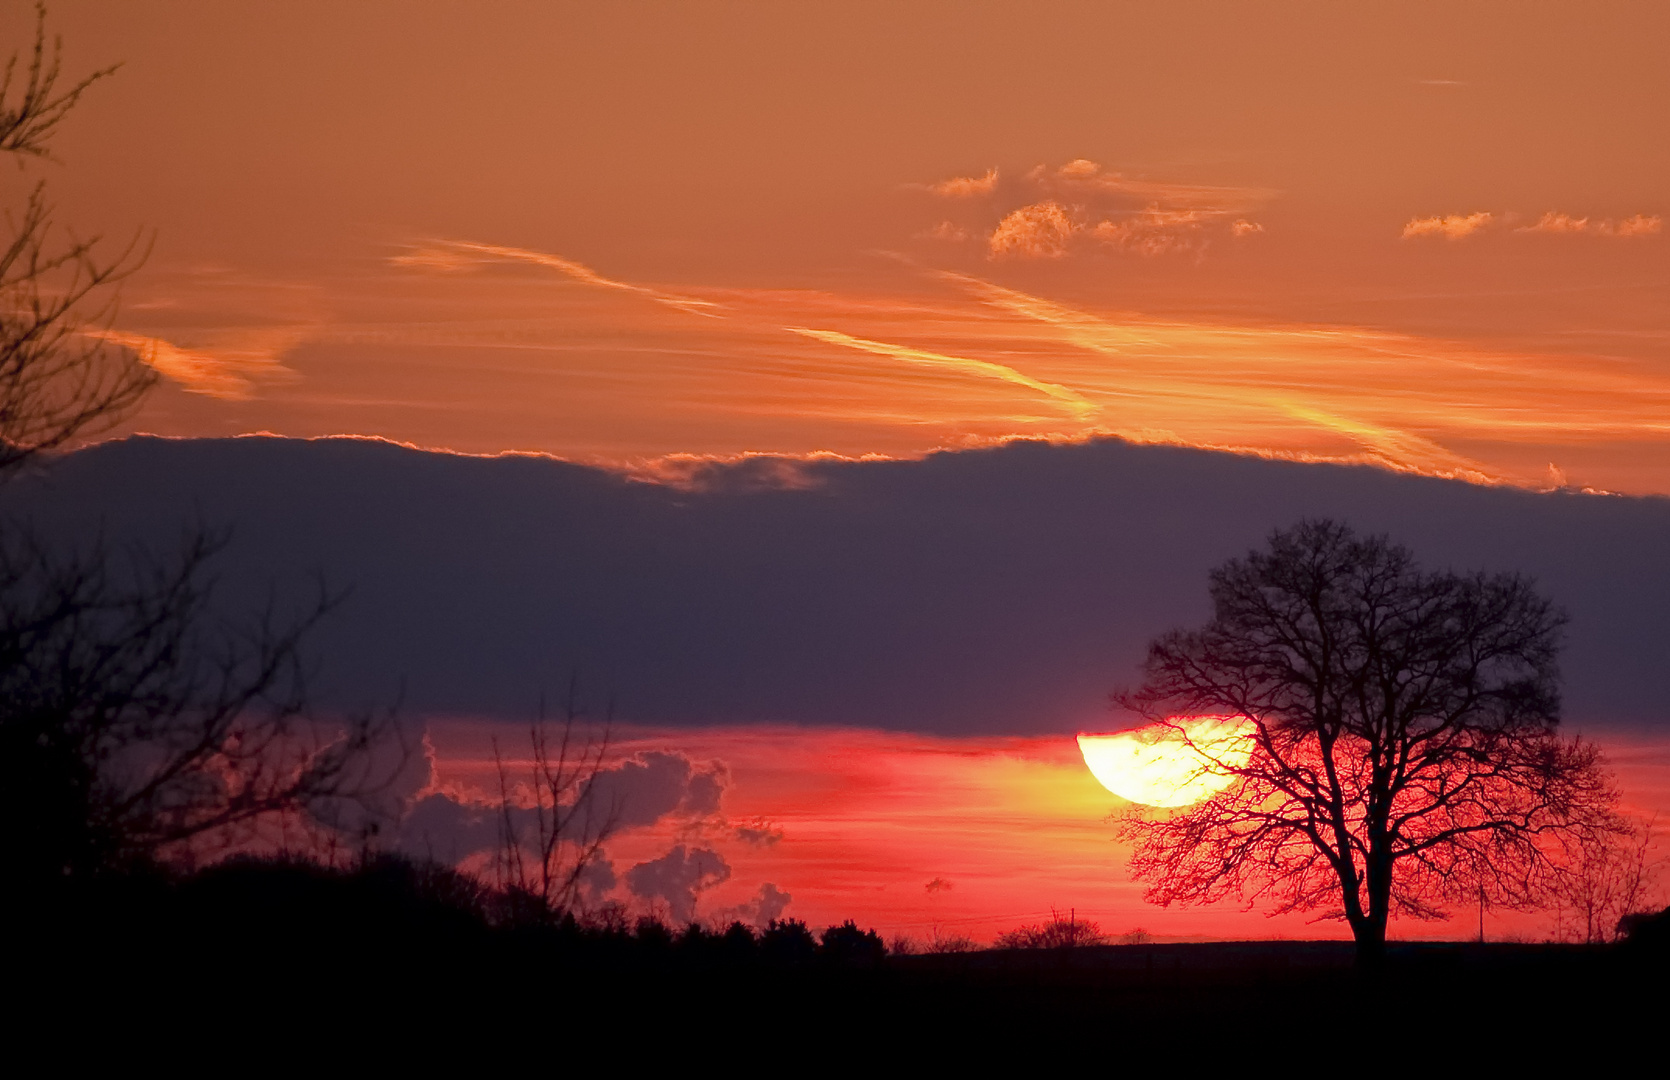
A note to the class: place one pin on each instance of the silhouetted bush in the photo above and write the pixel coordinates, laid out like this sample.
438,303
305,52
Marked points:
787,941
848,945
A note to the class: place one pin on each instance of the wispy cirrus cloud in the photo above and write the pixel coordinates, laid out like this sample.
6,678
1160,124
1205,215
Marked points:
1551,223
1074,403
230,373
455,255
966,187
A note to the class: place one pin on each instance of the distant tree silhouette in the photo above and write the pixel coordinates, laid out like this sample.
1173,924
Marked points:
851,947
787,941
1404,751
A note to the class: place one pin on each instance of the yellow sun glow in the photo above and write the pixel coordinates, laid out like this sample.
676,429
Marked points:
1172,764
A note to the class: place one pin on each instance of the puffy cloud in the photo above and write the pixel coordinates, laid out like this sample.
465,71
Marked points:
648,787
1640,225
1154,231
679,878
645,789
1552,222
768,903
1450,226
1143,217
966,187
1039,231
1565,225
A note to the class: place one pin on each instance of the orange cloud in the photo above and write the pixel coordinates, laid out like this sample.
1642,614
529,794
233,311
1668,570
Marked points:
229,374
1075,403
1244,228
1564,225
1640,225
948,231
966,187
1039,231
1450,226
452,255
1154,231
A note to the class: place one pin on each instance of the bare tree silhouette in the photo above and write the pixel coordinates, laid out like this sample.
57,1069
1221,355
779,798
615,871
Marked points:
1611,878
59,379
1403,750
547,848
136,723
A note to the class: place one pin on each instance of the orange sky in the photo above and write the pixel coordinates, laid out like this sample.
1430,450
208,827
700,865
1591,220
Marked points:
1429,236
1425,235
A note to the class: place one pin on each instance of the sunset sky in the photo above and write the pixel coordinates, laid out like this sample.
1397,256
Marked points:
1424,236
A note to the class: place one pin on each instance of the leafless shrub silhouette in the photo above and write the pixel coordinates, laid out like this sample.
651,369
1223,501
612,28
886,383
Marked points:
1404,751
943,944
1061,932
547,846
1611,878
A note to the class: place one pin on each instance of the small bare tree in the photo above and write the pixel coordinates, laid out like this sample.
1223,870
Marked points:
1610,877
547,846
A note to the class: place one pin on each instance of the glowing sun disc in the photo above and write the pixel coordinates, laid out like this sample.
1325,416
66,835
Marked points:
1157,766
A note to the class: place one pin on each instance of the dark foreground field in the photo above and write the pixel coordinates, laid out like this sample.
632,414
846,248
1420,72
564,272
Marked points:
295,961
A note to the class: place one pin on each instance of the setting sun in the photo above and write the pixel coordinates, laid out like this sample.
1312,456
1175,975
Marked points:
1170,764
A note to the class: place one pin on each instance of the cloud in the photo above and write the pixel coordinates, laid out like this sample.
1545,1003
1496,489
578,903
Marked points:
1145,217
948,231
1640,225
759,833
768,903
938,885
679,878
1039,231
1559,224
966,187
229,374
650,786
1154,231
455,255
1451,226
1075,404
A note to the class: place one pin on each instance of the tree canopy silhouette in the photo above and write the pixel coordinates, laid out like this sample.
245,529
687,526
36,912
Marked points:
1402,752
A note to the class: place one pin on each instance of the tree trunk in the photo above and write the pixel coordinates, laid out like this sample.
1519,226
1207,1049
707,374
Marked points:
1371,944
